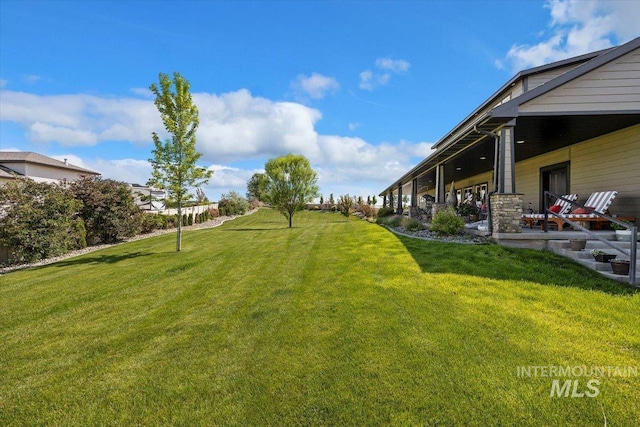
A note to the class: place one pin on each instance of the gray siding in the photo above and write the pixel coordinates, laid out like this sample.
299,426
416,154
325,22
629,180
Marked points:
612,87
539,79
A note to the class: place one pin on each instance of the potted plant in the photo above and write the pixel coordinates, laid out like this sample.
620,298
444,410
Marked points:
577,244
620,266
601,256
622,234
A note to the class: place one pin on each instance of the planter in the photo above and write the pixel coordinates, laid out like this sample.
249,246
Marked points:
604,257
577,245
620,267
623,235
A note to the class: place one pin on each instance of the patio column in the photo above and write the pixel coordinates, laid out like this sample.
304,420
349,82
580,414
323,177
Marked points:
384,201
506,159
506,213
441,192
399,210
414,193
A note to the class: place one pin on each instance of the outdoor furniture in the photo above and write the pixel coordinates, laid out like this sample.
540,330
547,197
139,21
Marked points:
561,206
598,202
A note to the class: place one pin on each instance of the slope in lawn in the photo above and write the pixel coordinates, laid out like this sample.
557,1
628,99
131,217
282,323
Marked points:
333,322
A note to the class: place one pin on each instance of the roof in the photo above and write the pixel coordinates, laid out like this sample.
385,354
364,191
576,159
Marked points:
464,134
35,158
7,173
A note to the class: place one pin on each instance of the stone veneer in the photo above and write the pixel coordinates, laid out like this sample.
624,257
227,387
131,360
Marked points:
506,212
437,207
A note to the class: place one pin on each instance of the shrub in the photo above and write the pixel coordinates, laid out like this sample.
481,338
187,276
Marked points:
368,211
390,221
233,204
108,209
213,213
384,212
447,223
151,222
190,219
411,224
39,220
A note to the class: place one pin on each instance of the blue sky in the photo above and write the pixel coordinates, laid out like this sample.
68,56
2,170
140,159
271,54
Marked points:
362,88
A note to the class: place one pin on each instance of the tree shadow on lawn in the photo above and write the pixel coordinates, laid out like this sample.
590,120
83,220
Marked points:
100,259
502,263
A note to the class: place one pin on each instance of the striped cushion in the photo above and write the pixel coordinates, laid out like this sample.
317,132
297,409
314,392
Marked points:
600,201
564,206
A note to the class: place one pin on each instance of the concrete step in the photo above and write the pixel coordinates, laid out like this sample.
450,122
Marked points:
584,257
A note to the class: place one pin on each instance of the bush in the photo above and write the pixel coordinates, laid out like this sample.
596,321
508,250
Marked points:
233,204
384,212
411,224
213,213
368,211
446,222
151,222
190,219
390,221
39,220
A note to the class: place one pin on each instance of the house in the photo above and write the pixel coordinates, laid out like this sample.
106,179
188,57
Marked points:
148,198
38,167
572,126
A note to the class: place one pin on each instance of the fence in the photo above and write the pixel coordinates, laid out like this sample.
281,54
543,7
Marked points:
195,210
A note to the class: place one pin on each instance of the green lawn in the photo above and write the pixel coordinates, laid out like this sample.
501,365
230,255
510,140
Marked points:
333,322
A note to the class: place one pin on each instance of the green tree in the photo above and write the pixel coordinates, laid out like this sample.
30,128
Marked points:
38,220
346,205
255,186
108,209
290,185
174,161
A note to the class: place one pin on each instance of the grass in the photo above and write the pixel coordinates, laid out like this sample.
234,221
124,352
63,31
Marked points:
333,322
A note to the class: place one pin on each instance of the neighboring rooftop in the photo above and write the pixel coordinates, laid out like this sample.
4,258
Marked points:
7,157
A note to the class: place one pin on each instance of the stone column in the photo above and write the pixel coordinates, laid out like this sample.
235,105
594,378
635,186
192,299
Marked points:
506,212
437,207
384,201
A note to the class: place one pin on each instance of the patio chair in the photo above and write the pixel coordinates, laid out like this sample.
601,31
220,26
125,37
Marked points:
560,207
598,202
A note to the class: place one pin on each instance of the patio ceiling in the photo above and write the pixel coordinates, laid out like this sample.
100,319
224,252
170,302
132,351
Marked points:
472,153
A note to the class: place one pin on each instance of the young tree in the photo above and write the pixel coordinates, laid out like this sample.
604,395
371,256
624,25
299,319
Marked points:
290,185
255,186
174,161
346,205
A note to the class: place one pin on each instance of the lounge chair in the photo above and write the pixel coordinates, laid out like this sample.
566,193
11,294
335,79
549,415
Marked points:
597,202
560,207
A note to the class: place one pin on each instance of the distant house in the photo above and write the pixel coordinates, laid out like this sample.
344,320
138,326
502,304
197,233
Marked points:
38,167
148,198
572,126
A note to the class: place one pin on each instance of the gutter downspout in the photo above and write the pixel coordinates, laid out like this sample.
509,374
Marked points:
496,139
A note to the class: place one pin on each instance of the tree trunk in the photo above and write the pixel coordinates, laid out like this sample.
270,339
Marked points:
290,219
179,236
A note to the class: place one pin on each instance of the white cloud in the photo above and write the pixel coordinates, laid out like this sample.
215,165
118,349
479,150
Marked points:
234,127
577,27
354,126
74,120
3,83
43,132
32,78
370,80
316,86
394,65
